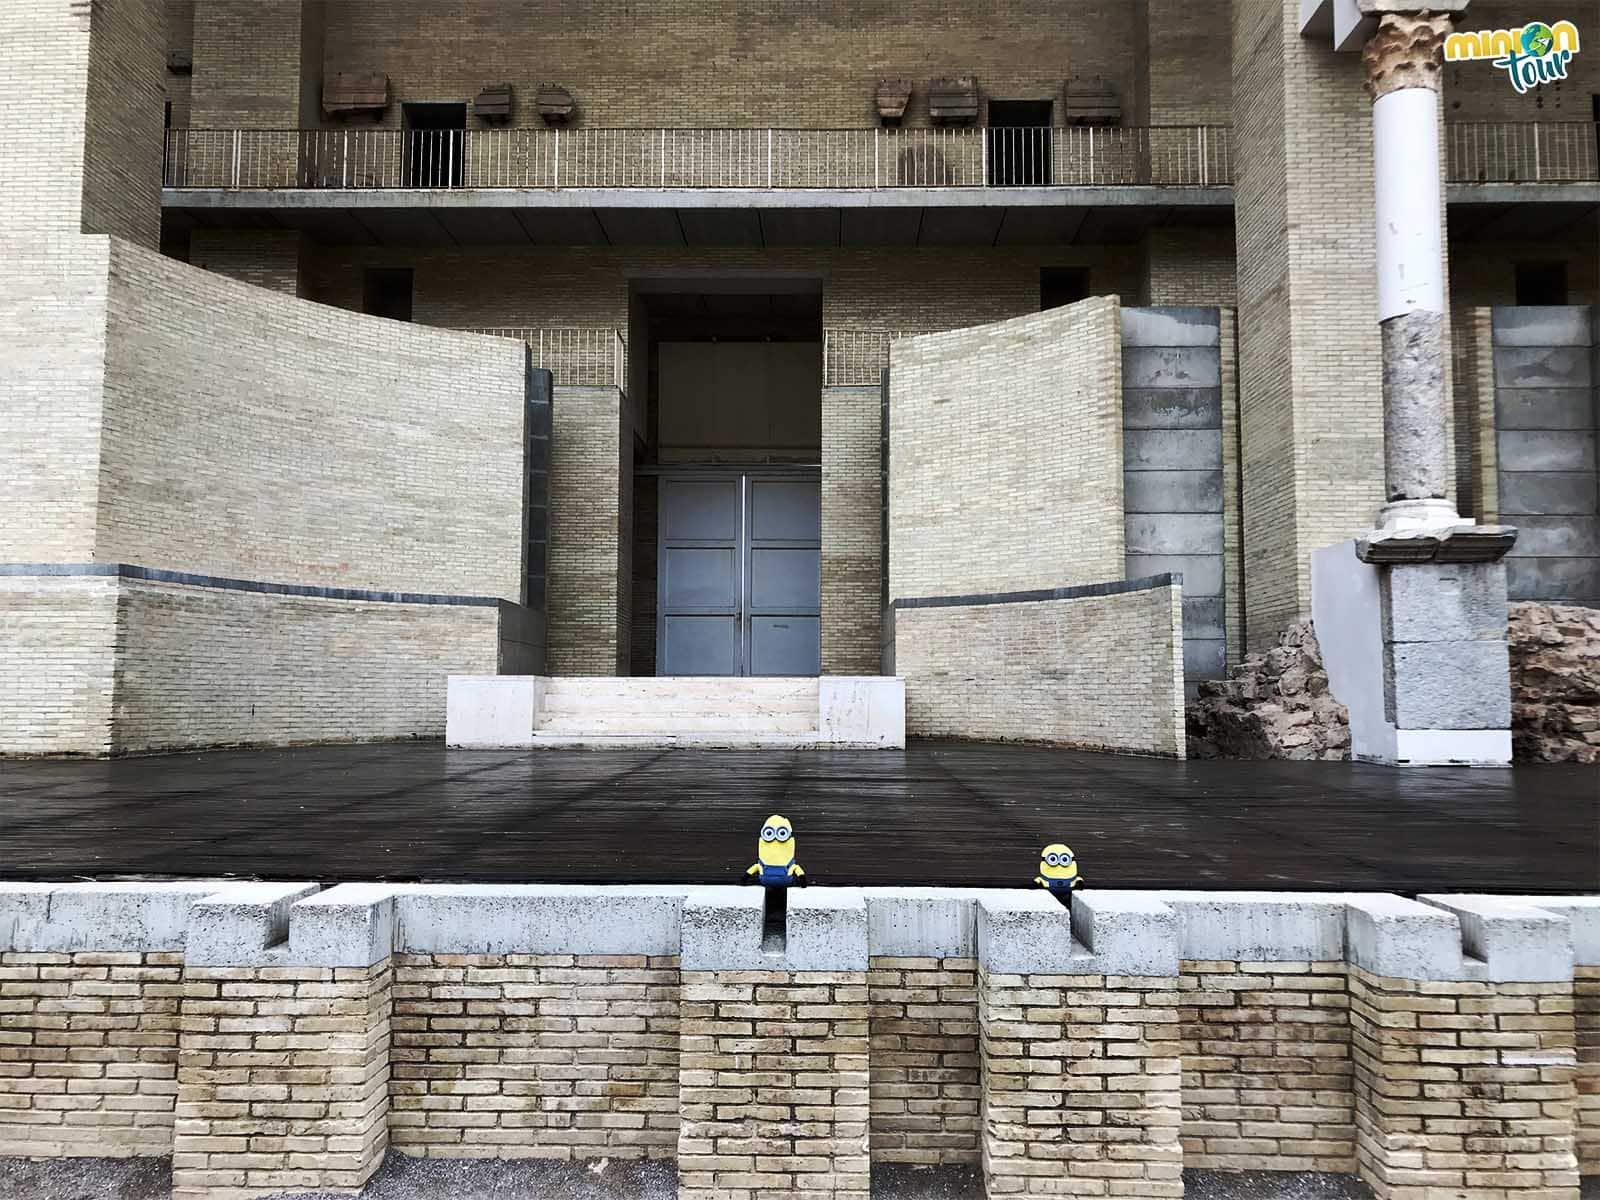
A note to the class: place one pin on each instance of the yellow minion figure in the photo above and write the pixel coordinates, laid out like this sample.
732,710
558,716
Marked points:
776,866
1058,869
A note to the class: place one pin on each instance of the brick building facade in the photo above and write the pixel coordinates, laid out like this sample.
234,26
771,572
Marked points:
727,174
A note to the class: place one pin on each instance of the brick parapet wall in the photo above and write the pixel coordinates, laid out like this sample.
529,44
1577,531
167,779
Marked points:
1081,1085
775,1085
1466,1087
1586,1028
1096,671
1267,1076
283,1080
88,1054
926,1079
548,1056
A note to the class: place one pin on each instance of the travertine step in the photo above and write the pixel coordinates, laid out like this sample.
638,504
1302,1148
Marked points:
611,722
681,741
666,711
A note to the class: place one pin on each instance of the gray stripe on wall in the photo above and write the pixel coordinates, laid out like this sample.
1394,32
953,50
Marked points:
188,579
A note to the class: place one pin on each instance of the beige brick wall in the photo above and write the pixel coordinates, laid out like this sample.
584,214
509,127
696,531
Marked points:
58,647
265,258
852,530
925,1077
282,1081
589,532
88,1054
1190,266
1189,79
1586,1027
1081,1085
1266,1067
1484,273
774,1086
1476,453
1098,672
1309,357
247,65
548,1056
720,63
1006,467
1464,1086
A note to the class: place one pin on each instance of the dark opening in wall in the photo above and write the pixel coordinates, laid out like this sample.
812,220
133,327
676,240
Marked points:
386,292
1541,283
435,139
1059,286
1019,143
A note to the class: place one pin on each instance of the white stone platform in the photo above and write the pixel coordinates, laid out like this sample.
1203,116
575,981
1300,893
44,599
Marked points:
537,712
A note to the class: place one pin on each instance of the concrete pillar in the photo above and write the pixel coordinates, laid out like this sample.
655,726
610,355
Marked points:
1464,1048
773,1084
1080,1046
283,1063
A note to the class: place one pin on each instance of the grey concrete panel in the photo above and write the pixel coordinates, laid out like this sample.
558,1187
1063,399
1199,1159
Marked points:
1203,618
1544,408
1569,325
1171,366
1172,326
1172,492
719,227
1450,685
1526,493
1174,533
1203,659
959,226
1559,450
1444,602
1172,449
1258,926
1202,573
812,227
64,918
1515,941
1172,408
1401,939
1557,537
1542,366
1573,580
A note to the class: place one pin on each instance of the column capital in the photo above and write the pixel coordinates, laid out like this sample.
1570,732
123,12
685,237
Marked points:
1407,51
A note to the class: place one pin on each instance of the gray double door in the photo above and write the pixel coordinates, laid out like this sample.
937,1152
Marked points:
739,584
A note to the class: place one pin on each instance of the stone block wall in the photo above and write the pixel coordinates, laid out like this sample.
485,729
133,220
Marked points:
275,1038
1006,472
1098,667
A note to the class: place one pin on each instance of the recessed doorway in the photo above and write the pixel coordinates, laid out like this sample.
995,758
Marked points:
435,142
1019,143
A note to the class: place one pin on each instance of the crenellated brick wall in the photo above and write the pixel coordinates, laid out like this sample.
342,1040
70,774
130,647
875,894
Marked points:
1586,1030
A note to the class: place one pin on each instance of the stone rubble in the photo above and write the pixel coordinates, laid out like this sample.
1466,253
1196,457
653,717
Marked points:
1555,683
1274,705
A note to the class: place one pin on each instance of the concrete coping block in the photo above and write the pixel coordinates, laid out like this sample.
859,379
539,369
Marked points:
492,712
1402,939
1128,933
1258,926
1022,932
351,925
825,930
125,918
243,925
905,922
539,919
1582,914
1514,941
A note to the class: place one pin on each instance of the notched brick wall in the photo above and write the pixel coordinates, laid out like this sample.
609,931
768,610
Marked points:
925,1074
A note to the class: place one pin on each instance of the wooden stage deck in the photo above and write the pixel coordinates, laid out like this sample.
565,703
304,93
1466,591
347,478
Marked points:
939,814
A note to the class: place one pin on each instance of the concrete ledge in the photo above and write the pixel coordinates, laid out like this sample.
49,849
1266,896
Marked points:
243,925
351,925
127,918
1582,913
923,922
826,930
539,919
862,711
492,712
1514,941
1401,939
1028,933
1258,926
1128,933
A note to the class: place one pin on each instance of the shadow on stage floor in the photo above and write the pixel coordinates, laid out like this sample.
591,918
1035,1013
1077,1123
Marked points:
942,814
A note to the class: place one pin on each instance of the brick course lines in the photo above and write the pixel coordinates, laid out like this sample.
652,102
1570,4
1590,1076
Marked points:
1586,1022
925,1075
775,1085
282,1080
1266,1067
88,1054
852,530
1464,1088
537,1056
590,532
1080,1086
264,257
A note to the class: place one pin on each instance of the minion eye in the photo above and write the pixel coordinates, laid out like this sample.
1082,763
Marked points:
1053,859
1066,859
768,833
783,834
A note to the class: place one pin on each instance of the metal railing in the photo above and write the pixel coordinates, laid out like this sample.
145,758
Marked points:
857,357
575,355
1164,156
1523,152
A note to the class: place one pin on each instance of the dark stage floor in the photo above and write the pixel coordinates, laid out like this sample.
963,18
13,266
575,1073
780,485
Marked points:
939,814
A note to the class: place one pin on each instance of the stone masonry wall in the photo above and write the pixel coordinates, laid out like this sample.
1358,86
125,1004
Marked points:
88,1053
558,1056
925,1073
774,1085
1555,682
1095,671
1267,1077
1033,498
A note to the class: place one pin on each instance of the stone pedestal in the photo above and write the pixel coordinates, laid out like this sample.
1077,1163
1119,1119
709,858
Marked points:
773,1048
1081,1050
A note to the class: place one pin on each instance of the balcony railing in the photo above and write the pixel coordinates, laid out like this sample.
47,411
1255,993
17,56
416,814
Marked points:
1523,152
575,356
1163,156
